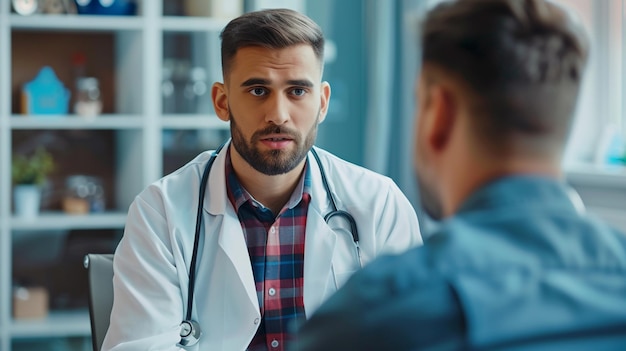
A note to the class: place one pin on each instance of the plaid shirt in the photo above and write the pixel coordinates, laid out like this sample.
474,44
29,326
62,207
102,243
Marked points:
276,248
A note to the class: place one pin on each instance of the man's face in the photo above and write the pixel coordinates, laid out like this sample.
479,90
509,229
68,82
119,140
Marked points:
275,101
273,160
424,167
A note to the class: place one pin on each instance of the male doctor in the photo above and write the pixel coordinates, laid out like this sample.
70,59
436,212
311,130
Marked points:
266,255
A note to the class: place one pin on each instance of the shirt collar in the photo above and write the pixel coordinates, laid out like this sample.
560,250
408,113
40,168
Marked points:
238,195
520,190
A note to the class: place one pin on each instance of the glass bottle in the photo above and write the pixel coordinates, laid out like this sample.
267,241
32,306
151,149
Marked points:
167,88
83,194
196,90
87,102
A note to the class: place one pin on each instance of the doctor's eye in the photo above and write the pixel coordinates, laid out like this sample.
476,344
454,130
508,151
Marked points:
298,92
258,91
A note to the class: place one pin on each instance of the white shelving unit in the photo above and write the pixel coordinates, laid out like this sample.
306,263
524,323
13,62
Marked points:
76,23
58,324
138,122
116,122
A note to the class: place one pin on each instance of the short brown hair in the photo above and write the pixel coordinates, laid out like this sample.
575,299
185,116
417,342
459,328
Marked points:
522,60
272,28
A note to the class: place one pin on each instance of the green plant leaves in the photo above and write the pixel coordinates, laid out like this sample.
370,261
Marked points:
33,169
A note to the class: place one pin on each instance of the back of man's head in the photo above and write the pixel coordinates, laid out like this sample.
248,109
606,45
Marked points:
521,62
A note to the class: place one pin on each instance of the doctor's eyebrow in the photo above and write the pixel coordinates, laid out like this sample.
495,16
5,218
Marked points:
255,81
261,81
301,83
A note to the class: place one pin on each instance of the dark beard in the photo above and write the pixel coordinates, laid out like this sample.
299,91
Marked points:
273,162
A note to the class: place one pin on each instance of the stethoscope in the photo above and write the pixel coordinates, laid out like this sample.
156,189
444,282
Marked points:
189,329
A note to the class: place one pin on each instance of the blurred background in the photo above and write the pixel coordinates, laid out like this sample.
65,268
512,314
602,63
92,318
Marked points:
99,98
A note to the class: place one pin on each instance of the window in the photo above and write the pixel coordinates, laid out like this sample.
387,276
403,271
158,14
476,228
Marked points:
600,128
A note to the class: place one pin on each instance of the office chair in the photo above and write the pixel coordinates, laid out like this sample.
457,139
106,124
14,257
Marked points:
100,275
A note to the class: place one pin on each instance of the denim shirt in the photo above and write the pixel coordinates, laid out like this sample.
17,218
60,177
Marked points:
518,267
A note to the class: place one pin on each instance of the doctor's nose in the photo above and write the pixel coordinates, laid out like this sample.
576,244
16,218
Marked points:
277,110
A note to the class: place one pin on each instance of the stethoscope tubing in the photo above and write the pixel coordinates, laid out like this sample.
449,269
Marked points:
196,240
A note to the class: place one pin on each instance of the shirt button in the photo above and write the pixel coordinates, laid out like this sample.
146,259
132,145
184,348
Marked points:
274,343
272,291
273,230
256,321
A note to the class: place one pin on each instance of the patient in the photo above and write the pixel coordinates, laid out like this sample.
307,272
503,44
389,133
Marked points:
515,263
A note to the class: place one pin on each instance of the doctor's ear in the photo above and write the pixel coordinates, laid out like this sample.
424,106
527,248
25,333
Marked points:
220,101
324,100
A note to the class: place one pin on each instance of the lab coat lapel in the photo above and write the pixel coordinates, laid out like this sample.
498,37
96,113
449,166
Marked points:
233,244
319,244
318,255
231,239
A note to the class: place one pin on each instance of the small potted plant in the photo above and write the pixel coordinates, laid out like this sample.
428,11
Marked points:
29,173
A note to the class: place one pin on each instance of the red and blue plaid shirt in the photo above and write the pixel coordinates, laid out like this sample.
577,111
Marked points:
276,248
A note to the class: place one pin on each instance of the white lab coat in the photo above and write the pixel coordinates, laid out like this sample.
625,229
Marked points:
152,260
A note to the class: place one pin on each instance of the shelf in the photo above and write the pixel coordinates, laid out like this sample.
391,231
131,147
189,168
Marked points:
193,122
77,22
126,54
75,122
612,215
596,175
60,220
114,122
192,24
57,324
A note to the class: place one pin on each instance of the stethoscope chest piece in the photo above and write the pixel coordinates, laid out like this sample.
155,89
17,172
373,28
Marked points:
189,333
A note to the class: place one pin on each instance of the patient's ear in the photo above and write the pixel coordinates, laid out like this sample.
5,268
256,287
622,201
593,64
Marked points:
443,114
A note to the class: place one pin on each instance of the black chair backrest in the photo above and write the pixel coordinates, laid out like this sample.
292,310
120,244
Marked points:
100,275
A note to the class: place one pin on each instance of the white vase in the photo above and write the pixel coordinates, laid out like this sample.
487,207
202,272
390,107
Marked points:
26,199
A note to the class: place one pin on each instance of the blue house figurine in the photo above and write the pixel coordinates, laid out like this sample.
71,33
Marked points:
45,95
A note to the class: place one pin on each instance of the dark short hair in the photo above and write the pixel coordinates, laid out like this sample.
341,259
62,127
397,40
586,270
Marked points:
272,28
521,60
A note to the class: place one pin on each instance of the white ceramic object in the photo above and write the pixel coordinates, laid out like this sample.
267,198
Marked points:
26,199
